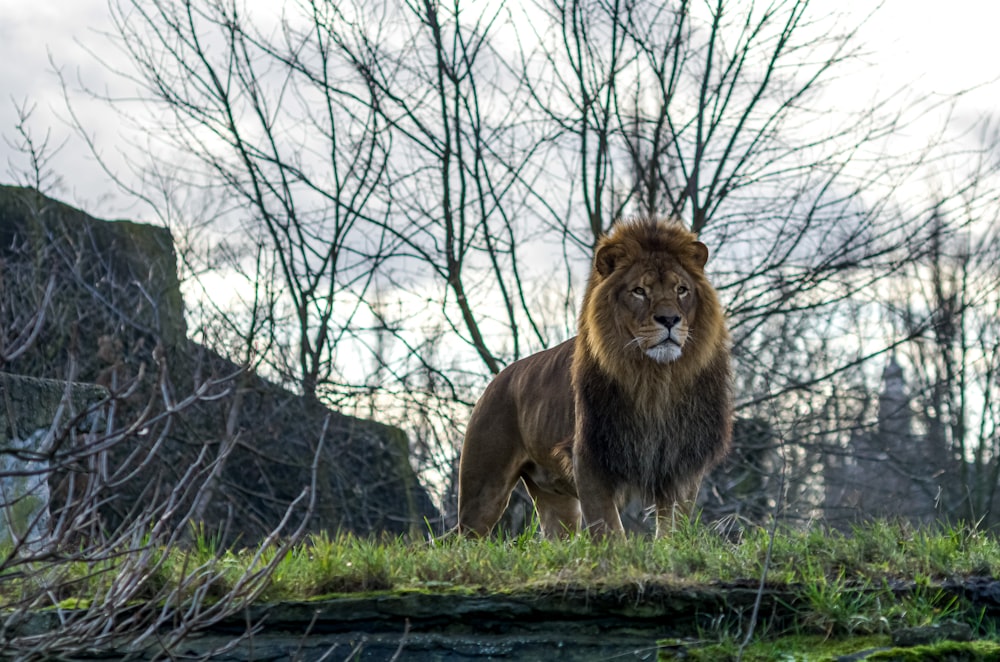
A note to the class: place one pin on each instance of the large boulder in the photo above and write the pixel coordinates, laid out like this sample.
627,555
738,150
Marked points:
114,316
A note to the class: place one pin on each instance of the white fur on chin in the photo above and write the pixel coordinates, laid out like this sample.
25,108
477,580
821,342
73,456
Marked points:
665,353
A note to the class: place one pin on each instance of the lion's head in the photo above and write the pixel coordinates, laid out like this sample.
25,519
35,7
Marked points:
648,301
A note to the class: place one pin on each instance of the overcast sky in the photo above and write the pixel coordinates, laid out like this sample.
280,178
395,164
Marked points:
939,48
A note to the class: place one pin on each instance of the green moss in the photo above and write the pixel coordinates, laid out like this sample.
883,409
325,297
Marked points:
821,649
75,603
950,651
800,648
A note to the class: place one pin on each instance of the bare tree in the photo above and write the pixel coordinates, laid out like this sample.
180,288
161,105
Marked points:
39,153
281,129
458,184
952,300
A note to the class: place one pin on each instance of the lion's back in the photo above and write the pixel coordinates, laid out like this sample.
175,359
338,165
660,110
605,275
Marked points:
527,409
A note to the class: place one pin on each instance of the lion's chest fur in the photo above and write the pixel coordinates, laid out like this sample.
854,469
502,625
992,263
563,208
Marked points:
648,440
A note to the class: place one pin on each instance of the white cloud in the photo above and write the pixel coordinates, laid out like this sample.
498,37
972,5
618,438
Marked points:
941,47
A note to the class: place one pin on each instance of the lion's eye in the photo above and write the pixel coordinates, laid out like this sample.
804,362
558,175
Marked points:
639,292
682,291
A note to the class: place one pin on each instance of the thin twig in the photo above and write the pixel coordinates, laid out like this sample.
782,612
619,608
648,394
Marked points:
751,628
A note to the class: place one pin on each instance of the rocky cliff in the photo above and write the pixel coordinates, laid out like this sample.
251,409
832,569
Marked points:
114,316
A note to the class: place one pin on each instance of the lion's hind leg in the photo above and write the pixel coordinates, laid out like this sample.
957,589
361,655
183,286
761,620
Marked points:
489,468
482,498
558,514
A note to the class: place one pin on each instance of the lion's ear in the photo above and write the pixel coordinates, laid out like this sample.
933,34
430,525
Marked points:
607,258
700,253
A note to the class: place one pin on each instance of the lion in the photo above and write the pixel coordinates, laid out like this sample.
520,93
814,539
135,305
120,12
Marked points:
639,403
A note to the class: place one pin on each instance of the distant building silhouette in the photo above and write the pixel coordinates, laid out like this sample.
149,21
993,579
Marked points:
887,471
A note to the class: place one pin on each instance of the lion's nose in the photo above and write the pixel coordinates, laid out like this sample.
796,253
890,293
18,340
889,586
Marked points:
667,321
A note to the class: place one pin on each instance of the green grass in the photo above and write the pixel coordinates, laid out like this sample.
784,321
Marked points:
843,583
823,562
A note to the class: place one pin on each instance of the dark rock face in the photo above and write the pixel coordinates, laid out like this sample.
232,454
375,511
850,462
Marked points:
569,625
115,315
643,622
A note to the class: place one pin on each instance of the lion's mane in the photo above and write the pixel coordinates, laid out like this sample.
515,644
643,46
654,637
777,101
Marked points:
652,427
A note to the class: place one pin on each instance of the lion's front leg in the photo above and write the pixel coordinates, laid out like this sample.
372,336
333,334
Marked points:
671,509
597,498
